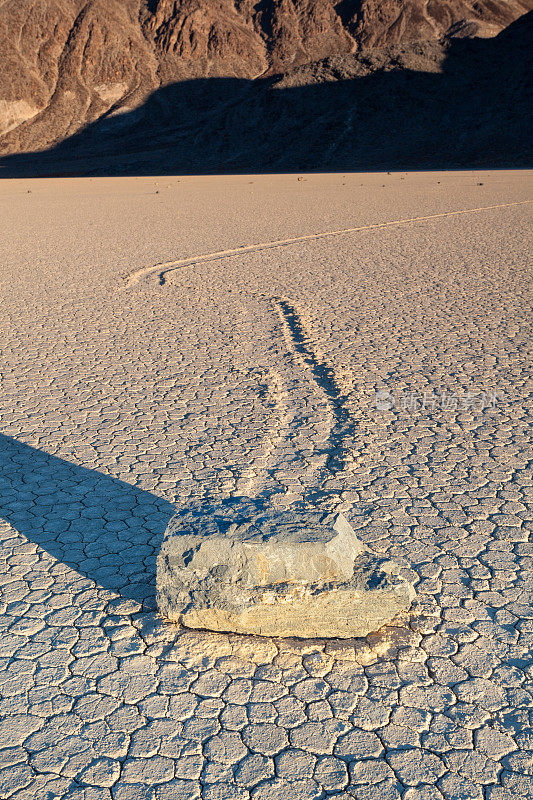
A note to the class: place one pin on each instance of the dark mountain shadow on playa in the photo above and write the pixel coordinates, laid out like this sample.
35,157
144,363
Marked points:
352,113
105,529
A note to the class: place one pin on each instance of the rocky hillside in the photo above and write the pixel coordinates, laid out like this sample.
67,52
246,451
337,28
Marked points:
66,64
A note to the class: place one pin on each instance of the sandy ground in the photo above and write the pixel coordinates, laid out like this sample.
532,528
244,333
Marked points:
145,367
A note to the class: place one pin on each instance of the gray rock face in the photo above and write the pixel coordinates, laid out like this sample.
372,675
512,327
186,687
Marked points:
247,567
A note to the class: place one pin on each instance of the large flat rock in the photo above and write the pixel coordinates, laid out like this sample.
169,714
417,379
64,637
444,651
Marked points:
248,567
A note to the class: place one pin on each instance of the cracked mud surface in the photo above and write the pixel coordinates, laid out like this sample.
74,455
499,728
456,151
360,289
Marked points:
256,374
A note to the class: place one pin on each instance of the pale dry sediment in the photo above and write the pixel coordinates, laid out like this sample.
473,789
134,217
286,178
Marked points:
116,407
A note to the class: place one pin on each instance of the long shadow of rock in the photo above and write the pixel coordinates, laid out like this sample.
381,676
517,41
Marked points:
470,110
102,527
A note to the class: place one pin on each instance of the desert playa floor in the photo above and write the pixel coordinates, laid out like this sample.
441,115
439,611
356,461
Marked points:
164,344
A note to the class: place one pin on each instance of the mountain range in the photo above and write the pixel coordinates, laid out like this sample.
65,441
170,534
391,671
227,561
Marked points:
212,85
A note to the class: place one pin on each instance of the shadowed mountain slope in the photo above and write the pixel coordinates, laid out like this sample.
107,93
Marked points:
65,64
460,103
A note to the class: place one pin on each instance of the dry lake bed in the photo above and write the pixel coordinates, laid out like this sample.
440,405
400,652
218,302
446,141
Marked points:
359,342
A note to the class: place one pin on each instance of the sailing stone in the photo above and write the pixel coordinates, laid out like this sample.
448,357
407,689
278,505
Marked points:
246,566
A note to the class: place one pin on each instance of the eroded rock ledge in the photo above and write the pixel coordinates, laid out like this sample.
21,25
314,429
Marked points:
245,566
